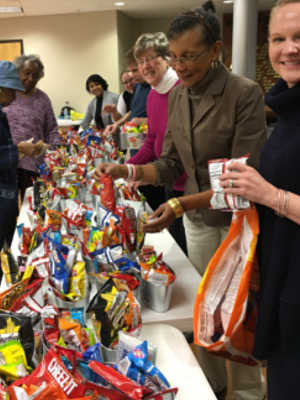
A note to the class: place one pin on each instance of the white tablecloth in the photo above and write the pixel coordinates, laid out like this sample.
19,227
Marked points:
177,362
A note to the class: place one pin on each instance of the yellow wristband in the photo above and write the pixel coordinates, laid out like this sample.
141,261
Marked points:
176,206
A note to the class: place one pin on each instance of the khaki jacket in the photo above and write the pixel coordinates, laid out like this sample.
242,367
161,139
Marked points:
229,122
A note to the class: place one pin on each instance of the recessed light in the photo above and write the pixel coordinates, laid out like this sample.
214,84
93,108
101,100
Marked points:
11,9
227,1
119,4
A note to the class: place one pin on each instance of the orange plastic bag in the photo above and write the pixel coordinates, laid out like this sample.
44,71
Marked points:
225,310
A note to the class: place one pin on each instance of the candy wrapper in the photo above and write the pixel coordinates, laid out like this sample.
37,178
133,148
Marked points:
154,269
113,309
128,225
107,192
128,343
52,371
17,345
125,385
135,134
220,200
137,367
10,271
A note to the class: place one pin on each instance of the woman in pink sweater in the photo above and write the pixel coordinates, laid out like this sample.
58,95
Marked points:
151,51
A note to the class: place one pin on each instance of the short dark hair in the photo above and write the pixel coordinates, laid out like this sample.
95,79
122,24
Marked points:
98,79
198,17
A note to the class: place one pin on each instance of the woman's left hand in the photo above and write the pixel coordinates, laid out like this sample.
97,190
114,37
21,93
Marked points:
162,217
245,181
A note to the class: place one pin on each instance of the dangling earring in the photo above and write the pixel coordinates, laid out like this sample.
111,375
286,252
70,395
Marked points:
214,64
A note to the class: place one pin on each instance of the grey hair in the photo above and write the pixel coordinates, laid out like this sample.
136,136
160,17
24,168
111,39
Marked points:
281,3
20,61
157,41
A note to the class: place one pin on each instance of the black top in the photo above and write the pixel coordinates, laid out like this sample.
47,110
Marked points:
279,241
98,117
127,96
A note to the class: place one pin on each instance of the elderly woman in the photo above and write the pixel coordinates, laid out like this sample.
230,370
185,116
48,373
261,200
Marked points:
9,153
31,116
98,86
212,114
276,189
151,51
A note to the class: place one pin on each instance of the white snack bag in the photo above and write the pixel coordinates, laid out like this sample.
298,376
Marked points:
220,200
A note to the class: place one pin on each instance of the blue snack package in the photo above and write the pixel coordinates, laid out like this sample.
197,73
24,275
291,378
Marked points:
93,353
137,367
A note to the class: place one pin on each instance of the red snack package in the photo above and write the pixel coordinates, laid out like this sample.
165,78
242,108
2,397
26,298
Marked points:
130,388
107,192
128,224
98,391
52,371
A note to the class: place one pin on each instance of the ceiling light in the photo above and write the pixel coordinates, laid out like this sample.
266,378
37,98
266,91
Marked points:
119,4
227,1
11,9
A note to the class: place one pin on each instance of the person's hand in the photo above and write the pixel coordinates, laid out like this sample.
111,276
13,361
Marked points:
27,148
245,181
40,148
162,217
115,170
111,129
138,121
133,185
109,108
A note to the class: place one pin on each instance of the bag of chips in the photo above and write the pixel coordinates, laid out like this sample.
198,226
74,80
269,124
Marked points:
226,304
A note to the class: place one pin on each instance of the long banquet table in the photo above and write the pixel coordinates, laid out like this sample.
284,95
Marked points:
164,330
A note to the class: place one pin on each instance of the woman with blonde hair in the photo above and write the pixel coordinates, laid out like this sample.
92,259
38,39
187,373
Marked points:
276,189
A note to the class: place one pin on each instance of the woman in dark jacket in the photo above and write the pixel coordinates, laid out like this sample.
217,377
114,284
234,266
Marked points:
9,153
277,190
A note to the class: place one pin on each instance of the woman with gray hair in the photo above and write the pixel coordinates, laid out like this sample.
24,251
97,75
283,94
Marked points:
31,116
151,51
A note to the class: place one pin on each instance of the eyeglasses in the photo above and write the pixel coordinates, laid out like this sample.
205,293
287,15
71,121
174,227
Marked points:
127,82
146,60
186,59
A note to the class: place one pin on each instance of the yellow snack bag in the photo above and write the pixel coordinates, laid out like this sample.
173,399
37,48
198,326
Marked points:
78,282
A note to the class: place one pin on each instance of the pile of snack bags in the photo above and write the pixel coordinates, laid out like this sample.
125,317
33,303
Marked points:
70,317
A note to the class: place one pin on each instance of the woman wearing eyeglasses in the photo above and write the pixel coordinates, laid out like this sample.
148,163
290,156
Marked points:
212,114
151,52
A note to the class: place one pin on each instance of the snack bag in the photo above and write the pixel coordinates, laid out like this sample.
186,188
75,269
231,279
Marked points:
107,192
226,304
52,371
220,200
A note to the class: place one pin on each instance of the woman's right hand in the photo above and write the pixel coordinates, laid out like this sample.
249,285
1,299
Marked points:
115,170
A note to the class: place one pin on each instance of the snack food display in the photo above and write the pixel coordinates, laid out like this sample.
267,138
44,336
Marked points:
70,287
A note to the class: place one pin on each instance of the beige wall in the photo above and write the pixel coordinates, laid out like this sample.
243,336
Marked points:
126,36
129,30
145,25
72,47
